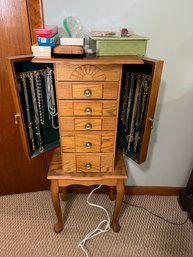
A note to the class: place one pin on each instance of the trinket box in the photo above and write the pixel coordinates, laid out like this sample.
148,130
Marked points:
68,51
48,31
49,41
131,45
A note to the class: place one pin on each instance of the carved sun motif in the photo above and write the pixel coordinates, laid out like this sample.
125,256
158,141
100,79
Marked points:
88,72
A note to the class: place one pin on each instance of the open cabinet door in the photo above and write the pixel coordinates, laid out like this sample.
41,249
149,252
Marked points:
33,98
139,96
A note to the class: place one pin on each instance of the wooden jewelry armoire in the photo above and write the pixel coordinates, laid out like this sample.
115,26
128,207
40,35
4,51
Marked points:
89,100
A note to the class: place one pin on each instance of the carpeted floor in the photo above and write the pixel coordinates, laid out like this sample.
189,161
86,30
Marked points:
26,228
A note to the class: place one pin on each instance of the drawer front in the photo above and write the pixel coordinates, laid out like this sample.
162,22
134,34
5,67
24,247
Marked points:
87,163
107,90
88,109
88,142
87,124
82,108
87,91
88,72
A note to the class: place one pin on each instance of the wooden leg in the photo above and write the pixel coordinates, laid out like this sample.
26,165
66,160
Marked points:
64,194
56,203
118,203
112,193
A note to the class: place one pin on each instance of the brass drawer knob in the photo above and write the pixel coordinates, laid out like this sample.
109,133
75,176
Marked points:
88,126
88,110
88,144
87,92
88,166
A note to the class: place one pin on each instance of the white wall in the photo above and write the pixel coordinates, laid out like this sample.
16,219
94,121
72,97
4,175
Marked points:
168,23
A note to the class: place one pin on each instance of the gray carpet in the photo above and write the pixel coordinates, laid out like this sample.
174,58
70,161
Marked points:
26,228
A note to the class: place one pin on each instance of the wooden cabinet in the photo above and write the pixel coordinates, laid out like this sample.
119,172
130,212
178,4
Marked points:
18,173
90,96
88,100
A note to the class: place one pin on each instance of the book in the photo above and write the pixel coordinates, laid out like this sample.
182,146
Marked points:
51,41
73,41
47,32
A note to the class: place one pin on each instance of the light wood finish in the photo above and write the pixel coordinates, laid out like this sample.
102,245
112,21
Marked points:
130,190
86,163
105,162
60,179
87,142
18,173
88,108
87,124
89,84
88,99
76,90
157,67
95,61
79,108
73,77
87,91
87,72
56,202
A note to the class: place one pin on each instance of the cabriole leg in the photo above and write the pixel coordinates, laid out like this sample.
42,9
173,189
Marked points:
56,203
118,203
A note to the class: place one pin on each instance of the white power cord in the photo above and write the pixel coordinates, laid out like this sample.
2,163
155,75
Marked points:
99,229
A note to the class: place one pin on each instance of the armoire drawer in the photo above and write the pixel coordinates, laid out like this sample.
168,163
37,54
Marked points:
87,124
88,72
87,162
87,108
87,142
87,90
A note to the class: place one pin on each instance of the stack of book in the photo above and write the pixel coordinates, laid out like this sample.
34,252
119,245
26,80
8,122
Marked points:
47,38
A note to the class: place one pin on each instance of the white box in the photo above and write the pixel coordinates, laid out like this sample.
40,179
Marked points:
74,41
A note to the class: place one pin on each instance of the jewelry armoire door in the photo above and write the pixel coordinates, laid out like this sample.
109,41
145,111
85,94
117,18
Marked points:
140,86
18,173
33,90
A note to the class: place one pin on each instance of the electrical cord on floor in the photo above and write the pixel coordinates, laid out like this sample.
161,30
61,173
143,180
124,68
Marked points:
99,228
158,216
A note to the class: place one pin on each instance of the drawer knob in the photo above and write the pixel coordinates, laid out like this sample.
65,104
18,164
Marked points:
87,92
88,166
88,110
88,126
88,144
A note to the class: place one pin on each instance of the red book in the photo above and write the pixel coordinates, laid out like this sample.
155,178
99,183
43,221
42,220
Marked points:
48,31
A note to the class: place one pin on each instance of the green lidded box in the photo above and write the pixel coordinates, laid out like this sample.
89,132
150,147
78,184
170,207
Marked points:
132,45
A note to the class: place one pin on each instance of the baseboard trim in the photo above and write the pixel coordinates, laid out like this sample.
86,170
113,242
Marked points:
152,190
131,190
